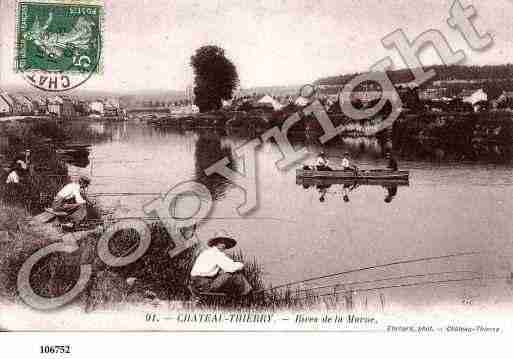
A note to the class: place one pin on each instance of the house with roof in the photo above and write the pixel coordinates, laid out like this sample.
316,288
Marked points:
19,108
16,108
111,107
477,98
433,93
473,96
25,104
268,100
5,106
68,108
55,106
97,108
40,105
504,101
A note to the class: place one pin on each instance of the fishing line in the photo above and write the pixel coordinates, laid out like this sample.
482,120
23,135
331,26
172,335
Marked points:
189,218
406,261
124,194
404,286
386,279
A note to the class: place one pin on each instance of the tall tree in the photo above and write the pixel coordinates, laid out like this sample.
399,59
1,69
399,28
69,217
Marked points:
215,77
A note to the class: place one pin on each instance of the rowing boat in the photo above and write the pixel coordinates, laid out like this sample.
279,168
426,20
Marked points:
374,174
319,181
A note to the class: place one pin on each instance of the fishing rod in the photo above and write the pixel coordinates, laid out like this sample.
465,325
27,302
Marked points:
415,284
123,194
405,261
152,218
386,279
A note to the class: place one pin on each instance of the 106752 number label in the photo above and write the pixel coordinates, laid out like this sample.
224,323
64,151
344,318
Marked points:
55,349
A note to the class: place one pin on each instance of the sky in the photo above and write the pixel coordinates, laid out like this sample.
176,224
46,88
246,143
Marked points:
148,43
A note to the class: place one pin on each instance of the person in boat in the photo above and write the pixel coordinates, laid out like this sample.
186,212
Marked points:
391,193
214,271
346,164
392,163
323,162
70,203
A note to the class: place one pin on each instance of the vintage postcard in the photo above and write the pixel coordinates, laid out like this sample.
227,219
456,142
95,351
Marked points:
274,165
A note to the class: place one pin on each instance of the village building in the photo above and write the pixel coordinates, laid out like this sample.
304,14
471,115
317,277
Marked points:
473,96
25,104
97,108
33,103
301,101
68,108
111,107
268,100
368,96
477,98
81,108
504,101
40,105
5,106
55,106
17,108
433,93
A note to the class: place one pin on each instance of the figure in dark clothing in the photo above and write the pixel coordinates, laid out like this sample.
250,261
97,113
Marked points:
392,163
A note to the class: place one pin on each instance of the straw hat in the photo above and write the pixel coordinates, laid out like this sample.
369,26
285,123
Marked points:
228,242
84,179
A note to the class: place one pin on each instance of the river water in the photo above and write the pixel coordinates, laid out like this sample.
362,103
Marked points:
457,200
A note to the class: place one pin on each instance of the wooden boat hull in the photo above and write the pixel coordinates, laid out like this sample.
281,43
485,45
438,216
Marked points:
373,174
309,181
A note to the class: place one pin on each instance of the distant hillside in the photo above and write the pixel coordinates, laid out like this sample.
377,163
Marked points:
443,73
494,79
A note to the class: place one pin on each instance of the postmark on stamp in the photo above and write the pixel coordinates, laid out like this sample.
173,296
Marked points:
58,42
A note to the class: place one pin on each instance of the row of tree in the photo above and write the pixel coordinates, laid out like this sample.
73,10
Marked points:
443,73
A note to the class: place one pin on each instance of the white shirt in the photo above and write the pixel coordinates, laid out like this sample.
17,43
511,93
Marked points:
211,260
22,164
345,162
71,190
13,177
322,161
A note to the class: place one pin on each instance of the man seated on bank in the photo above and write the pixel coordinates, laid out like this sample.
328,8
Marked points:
70,204
392,163
214,271
323,162
14,182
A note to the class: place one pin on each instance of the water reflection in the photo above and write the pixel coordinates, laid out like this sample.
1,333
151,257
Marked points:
391,192
208,151
343,188
437,151
76,157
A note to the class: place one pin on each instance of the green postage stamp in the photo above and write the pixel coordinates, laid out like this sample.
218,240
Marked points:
58,42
